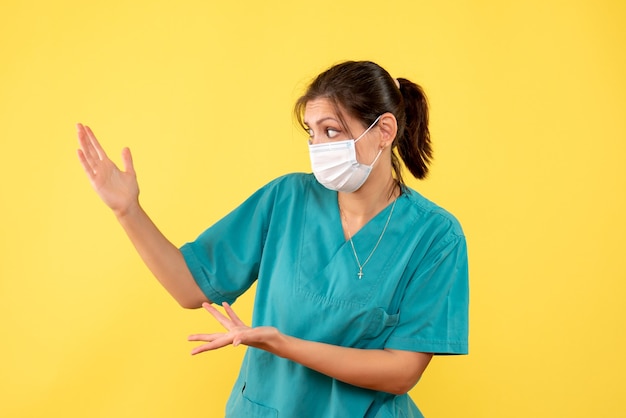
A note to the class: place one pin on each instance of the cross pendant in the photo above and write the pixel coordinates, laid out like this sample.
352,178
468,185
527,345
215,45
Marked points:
360,274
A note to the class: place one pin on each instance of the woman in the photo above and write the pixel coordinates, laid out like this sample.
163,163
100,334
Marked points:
360,279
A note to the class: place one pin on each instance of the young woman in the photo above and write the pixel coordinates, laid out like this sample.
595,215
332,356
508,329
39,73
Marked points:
360,279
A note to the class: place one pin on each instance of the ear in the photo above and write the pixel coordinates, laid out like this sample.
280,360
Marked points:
388,126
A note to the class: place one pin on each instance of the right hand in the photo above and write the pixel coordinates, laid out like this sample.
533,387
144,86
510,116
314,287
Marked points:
118,189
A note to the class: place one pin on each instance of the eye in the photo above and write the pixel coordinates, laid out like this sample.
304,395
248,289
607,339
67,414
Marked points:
331,133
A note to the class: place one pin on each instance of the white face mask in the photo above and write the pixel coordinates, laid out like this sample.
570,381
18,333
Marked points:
335,165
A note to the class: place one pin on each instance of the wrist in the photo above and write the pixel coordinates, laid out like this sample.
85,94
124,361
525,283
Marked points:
127,212
280,345
271,340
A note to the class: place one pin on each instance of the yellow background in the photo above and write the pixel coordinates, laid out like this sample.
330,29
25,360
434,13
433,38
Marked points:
529,126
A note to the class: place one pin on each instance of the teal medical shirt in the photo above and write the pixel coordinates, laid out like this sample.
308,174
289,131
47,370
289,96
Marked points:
288,237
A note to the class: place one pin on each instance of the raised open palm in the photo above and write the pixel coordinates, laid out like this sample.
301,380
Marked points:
237,332
117,189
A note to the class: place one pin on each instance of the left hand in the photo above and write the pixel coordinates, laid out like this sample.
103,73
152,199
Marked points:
237,333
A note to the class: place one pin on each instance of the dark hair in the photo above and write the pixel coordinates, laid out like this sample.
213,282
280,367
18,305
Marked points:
365,90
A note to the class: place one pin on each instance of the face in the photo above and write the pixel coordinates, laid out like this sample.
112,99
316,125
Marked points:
324,125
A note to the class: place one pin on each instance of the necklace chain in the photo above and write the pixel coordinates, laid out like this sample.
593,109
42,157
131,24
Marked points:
360,273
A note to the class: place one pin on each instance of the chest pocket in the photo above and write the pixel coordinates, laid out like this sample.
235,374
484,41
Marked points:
241,406
379,322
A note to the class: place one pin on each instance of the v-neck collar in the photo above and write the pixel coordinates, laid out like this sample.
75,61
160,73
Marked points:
369,228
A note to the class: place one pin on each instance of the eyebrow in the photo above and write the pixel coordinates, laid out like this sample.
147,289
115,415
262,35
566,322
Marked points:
319,122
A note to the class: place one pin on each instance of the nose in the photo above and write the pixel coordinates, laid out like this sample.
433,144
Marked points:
313,141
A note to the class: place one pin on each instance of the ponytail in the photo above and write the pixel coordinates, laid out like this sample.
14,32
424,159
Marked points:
413,143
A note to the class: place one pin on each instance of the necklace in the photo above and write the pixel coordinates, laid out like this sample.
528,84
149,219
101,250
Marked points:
360,273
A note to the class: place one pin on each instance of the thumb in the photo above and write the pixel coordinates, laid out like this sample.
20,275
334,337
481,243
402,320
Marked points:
127,159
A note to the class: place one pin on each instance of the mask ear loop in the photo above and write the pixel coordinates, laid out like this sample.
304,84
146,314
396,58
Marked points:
380,152
363,134
368,129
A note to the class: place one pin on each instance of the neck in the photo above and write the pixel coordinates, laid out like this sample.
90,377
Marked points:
361,206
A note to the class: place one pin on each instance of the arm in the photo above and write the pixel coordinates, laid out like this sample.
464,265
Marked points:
164,259
393,371
119,190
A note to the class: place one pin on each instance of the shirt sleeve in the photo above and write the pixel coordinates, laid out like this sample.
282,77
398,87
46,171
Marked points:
433,316
224,260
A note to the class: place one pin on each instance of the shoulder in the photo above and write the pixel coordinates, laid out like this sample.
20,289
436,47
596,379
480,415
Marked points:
287,188
292,181
428,212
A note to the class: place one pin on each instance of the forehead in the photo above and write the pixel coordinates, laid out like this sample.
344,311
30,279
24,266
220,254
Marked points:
319,108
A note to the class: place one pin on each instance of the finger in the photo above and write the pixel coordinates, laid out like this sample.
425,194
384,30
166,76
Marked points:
232,314
213,345
127,159
226,322
85,144
92,138
85,163
205,337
